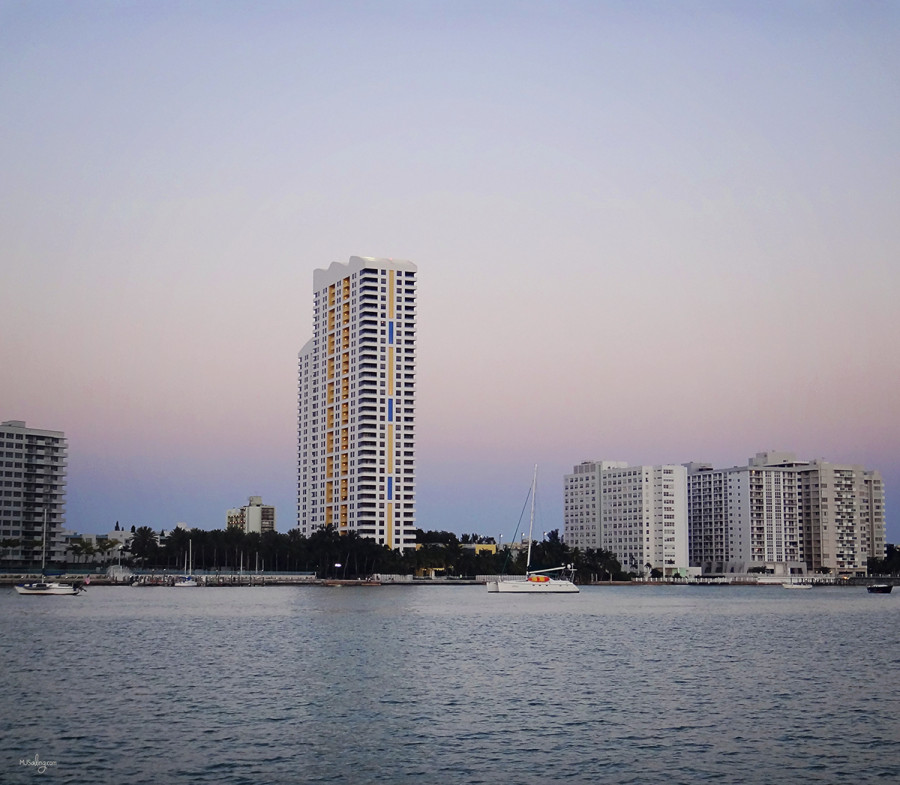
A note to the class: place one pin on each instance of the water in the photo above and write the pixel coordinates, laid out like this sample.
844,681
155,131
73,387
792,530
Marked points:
426,684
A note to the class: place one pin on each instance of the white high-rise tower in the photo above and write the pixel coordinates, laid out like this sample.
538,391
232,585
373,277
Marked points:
356,435
33,474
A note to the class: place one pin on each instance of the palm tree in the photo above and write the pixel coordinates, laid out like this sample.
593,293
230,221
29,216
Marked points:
86,548
103,547
176,546
144,543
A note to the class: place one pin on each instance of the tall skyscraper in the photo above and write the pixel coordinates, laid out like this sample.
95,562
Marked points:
639,513
357,383
33,474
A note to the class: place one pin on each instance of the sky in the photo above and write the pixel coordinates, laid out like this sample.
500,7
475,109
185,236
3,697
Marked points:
654,232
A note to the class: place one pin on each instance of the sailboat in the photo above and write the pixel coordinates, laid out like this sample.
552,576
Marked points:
536,581
187,581
48,587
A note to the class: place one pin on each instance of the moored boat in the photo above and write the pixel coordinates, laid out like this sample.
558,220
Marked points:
49,587
536,581
187,581
43,586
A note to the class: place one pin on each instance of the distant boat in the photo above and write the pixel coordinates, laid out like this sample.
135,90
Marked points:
187,581
48,587
796,585
879,588
537,581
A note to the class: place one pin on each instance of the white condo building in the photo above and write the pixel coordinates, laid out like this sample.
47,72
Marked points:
785,516
639,513
357,380
253,518
33,474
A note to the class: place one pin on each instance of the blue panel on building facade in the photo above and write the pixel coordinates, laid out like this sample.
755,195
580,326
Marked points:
390,409
390,488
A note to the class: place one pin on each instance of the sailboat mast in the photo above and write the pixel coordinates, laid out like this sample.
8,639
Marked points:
44,543
531,524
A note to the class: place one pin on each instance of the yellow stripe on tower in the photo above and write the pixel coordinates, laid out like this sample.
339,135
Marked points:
390,372
390,449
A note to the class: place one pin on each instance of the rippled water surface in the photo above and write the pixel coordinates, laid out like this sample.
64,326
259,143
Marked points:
450,684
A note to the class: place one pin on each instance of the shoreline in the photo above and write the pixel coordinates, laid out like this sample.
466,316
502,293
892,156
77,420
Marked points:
238,581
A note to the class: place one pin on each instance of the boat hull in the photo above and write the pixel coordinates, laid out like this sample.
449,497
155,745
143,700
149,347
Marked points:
65,589
880,588
552,586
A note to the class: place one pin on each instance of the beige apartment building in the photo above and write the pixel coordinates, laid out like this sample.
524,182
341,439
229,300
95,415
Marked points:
785,516
253,518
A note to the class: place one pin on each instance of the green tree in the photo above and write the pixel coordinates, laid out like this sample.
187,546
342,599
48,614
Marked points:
9,544
144,544
889,565
176,548
104,547
81,549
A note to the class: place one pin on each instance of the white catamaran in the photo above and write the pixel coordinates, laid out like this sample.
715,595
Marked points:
537,581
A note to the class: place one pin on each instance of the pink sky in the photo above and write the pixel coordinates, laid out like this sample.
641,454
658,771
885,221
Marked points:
644,233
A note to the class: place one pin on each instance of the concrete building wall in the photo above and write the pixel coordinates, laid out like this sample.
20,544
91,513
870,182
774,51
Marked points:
33,467
639,513
253,518
784,515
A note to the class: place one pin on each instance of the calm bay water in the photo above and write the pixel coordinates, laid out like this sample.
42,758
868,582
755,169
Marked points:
450,684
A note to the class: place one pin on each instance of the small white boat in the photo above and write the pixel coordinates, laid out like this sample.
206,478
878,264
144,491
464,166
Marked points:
796,585
44,587
537,581
187,581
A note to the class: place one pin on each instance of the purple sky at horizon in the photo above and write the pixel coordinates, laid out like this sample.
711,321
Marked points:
653,232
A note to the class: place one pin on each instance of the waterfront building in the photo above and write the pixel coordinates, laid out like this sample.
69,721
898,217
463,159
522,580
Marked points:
253,517
842,516
97,548
33,466
356,424
639,513
784,516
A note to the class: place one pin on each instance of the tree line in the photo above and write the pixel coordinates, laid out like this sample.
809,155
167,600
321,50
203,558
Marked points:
889,565
330,554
